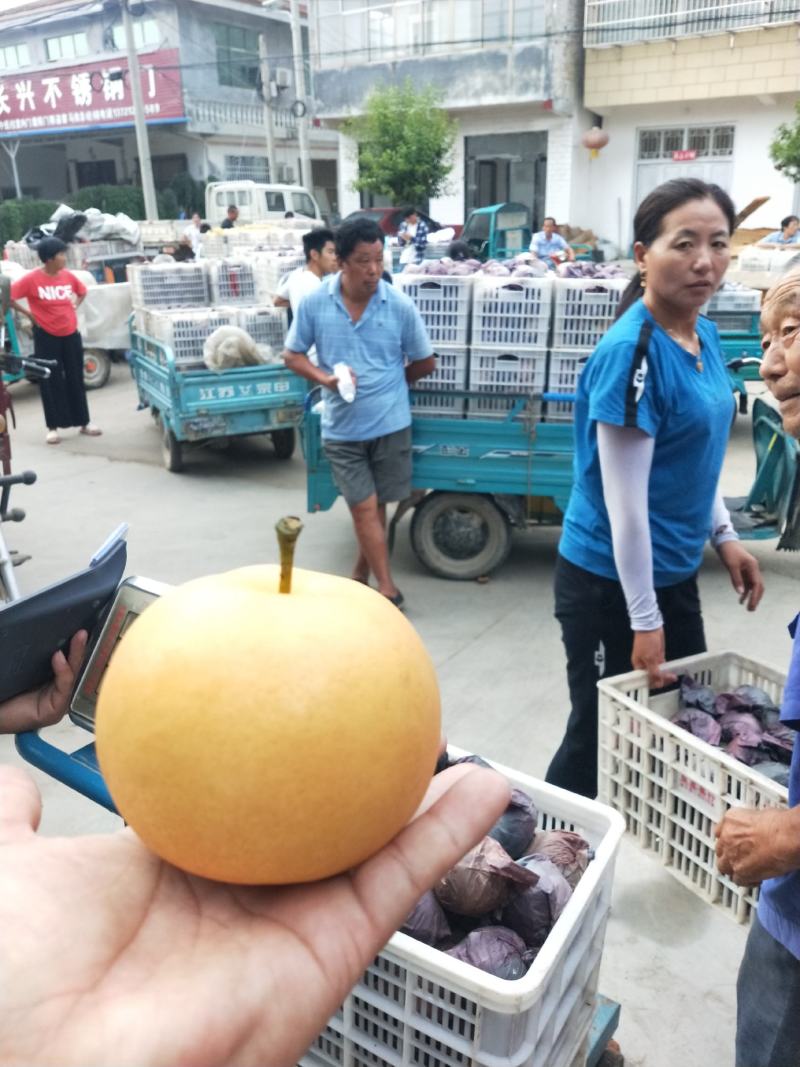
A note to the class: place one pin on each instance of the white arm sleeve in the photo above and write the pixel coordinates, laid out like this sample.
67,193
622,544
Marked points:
626,456
721,526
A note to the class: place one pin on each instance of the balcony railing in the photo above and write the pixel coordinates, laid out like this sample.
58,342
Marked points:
609,22
221,114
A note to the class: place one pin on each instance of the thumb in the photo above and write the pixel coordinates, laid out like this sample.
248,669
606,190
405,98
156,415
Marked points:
20,804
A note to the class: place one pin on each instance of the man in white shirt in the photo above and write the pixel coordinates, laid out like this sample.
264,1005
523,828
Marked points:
192,231
320,253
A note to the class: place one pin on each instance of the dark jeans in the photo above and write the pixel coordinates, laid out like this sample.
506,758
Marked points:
768,1003
598,642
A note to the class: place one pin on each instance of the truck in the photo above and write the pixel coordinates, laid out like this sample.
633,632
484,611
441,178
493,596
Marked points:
259,201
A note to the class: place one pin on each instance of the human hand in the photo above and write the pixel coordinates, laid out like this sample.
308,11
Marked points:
649,655
45,706
110,955
744,571
754,845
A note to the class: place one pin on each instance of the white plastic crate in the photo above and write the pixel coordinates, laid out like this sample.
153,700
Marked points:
512,312
418,1006
443,302
503,376
186,331
236,281
267,326
450,373
734,299
564,368
584,309
270,267
169,285
673,788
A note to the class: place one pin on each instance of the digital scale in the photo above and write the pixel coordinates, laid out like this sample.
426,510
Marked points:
95,600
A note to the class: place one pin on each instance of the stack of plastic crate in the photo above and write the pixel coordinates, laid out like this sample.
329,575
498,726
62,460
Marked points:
267,326
583,310
735,310
186,331
508,357
444,304
237,281
270,266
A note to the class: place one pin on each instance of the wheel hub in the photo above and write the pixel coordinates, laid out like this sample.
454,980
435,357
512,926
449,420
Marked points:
460,534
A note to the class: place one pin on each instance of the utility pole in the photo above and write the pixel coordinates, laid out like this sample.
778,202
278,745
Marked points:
300,92
142,142
266,92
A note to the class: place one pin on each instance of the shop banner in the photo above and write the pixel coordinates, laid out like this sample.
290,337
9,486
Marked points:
90,95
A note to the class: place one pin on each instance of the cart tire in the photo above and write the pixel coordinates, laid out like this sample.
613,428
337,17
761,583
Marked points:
460,535
283,441
171,449
96,368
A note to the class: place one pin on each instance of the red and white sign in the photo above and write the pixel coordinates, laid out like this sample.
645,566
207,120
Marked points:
88,95
683,155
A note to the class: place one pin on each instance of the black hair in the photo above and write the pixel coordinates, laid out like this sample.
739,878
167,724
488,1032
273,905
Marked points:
205,227
315,241
354,232
288,214
49,247
232,207
650,215
550,217
459,250
789,218
407,211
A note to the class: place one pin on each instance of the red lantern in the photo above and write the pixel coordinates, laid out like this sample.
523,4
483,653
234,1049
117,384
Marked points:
594,140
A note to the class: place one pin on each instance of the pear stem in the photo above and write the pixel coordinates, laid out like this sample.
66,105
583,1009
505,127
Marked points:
288,529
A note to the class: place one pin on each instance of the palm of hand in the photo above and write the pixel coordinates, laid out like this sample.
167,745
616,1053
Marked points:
115,930
109,955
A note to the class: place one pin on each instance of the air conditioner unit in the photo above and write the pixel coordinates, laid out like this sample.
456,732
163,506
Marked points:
283,77
286,173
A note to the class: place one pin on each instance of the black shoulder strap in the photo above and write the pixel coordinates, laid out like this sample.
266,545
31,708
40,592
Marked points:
638,373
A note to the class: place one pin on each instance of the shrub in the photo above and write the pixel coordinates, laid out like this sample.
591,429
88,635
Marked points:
128,199
18,216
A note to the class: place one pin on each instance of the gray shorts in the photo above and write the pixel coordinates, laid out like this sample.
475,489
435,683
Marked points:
381,466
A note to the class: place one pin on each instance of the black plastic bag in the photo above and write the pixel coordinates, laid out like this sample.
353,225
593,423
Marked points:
517,825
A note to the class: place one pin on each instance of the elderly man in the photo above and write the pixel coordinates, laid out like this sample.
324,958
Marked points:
764,846
788,236
549,245
375,333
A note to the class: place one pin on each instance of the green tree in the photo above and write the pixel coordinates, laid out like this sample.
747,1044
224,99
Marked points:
404,143
785,148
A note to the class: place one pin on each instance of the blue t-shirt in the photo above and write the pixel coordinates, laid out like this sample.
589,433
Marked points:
779,903
777,238
389,333
639,376
544,246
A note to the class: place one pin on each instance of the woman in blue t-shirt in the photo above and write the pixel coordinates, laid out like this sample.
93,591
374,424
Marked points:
652,418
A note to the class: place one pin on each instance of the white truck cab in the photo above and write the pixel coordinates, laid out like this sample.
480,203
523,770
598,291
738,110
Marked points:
258,202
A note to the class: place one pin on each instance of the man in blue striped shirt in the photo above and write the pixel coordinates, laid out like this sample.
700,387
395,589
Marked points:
356,319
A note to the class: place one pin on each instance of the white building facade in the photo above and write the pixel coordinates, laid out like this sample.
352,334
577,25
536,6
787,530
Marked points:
689,89
509,73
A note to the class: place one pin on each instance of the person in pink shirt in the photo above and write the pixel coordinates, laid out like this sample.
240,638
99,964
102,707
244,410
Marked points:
53,295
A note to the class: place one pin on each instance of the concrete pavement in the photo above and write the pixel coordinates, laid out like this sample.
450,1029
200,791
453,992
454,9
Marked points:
669,959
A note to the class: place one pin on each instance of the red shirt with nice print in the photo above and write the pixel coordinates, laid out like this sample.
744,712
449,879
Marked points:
51,299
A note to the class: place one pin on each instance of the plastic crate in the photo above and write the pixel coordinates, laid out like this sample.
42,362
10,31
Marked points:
236,281
734,299
503,376
416,1005
169,285
444,304
584,309
450,373
564,368
671,787
736,322
512,312
267,326
270,267
185,332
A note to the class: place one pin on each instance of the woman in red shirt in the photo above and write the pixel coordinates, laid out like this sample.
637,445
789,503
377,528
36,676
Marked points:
53,295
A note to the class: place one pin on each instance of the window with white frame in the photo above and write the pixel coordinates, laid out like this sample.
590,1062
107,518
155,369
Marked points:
13,56
254,168
68,46
703,141
146,34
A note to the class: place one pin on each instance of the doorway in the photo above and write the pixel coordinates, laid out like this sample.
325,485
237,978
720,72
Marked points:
506,167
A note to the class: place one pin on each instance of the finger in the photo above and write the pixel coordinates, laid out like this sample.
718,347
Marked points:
465,802
20,804
737,582
77,648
